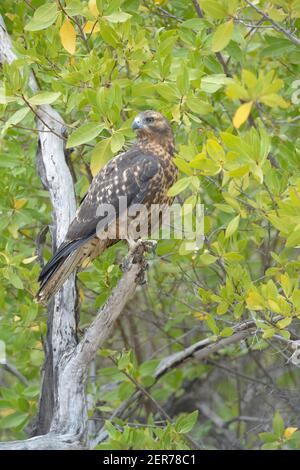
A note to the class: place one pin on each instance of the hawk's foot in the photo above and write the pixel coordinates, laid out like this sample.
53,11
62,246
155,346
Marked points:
136,254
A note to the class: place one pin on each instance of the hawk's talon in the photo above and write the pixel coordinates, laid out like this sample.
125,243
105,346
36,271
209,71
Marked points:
136,254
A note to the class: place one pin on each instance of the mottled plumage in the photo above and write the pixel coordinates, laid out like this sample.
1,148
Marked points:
143,174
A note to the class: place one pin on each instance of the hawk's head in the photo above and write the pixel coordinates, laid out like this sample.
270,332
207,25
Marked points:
151,122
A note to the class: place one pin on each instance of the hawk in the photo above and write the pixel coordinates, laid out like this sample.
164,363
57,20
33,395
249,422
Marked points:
143,174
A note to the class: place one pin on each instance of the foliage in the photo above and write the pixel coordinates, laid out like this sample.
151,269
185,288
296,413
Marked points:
226,79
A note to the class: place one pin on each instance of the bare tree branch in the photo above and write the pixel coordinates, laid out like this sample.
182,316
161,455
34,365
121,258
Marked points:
198,8
276,26
47,442
10,368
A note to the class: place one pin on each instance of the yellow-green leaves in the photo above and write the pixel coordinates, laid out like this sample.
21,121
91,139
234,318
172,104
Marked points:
15,118
198,105
273,100
117,17
255,301
101,154
262,88
183,83
215,150
288,432
222,36
93,7
161,2
207,166
232,226
242,114
206,259
44,97
214,9
179,186
117,142
185,423
84,134
43,17
278,424
183,166
91,27
68,36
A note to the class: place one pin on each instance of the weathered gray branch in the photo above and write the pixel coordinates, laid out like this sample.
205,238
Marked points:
71,416
46,442
205,347
10,368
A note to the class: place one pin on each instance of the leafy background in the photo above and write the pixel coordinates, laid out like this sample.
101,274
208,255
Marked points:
226,78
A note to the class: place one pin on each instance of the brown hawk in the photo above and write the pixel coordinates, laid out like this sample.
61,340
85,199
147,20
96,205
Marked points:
143,174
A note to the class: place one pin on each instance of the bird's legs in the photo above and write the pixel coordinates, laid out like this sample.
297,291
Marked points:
137,248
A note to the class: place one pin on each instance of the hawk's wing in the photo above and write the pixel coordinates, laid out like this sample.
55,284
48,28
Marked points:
130,174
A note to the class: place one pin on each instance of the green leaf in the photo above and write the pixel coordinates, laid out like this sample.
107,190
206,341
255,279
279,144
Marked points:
185,423
148,367
198,106
32,391
271,446
215,150
84,134
118,17
222,36
13,420
4,99
44,97
109,35
267,437
183,166
17,117
43,17
213,83
274,101
100,155
232,226
16,281
125,360
278,424
294,238
179,186
207,259
117,142
194,23
216,10
210,321
183,82
226,332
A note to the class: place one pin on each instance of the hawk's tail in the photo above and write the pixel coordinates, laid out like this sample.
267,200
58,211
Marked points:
58,269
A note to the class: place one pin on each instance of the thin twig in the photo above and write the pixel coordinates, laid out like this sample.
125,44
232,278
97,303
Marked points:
10,368
278,28
39,117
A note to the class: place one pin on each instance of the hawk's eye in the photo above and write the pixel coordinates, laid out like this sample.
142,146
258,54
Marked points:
149,119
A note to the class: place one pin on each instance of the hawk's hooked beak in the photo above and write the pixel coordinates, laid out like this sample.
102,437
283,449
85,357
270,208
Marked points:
137,123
